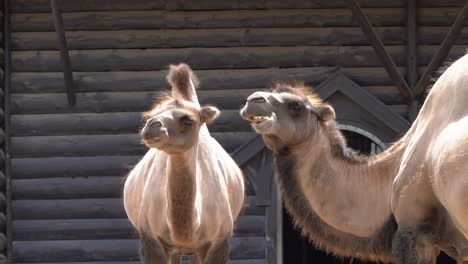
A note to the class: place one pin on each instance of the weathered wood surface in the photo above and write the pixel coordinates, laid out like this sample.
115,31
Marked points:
114,101
210,79
68,188
219,58
87,209
119,228
182,38
240,37
27,6
106,123
118,250
204,58
156,19
233,261
72,166
102,145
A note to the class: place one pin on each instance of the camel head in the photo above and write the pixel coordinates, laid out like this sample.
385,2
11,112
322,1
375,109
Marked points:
174,123
287,115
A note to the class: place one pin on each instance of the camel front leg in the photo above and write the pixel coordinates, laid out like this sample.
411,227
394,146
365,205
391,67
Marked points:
410,246
152,251
218,253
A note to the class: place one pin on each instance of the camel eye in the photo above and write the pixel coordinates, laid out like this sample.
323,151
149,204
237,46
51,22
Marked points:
295,108
186,121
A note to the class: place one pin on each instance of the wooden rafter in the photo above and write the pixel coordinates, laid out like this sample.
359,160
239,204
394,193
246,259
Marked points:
379,48
442,53
64,55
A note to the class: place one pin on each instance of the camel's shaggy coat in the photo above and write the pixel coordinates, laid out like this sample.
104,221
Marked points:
186,193
402,205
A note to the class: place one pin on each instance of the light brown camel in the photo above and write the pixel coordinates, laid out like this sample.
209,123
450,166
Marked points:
186,193
403,205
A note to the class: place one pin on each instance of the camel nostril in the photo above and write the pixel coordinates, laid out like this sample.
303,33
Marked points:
258,99
154,123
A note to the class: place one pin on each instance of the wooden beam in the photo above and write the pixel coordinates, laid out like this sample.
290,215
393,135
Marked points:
412,64
442,53
379,48
64,56
7,87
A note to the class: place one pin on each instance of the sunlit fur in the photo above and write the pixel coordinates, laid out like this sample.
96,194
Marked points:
399,205
184,201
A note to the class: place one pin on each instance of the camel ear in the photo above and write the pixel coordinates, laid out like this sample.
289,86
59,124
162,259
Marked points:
209,114
325,112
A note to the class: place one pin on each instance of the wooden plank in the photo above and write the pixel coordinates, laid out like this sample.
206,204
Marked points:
441,53
198,58
68,188
156,19
119,228
113,250
214,58
105,123
101,145
156,80
64,54
37,6
114,101
87,209
29,168
183,38
232,261
384,55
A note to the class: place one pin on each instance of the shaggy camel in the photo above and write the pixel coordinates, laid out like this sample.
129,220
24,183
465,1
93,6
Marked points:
186,193
402,205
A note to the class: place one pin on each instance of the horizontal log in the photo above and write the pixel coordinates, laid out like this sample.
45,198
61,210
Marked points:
184,261
185,38
116,101
157,19
28,6
209,58
36,6
218,58
151,80
113,250
101,145
105,123
87,208
68,188
29,168
78,229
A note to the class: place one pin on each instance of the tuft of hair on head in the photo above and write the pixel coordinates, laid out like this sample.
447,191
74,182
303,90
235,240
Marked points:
301,89
181,77
160,100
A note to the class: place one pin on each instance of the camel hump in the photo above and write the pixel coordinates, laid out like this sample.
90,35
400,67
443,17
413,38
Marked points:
183,82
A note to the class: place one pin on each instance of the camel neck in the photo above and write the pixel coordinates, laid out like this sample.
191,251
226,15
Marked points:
362,183
182,189
341,202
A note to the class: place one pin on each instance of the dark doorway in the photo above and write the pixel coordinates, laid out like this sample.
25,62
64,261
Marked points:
298,250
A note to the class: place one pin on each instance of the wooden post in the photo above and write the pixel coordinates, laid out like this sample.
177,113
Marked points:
64,56
379,48
441,53
412,64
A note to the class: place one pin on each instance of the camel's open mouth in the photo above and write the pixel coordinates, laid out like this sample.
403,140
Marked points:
258,119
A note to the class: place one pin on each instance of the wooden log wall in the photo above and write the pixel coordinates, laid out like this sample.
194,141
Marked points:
3,180
68,163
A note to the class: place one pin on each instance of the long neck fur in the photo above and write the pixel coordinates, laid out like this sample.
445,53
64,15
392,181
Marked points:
182,190
339,164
